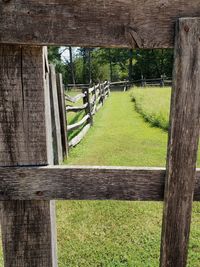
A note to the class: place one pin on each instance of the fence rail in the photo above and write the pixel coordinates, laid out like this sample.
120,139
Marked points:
93,99
125,85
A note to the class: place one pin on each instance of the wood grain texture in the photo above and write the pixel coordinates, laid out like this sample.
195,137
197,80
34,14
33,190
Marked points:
113,23
55,118
183,144
22,112
25,225
72,183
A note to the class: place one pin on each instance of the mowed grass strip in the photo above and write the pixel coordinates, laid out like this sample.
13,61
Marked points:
120,137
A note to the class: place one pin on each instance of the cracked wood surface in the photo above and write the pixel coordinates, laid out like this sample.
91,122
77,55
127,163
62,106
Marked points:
92,183
26,226
22,110
183,144
112,23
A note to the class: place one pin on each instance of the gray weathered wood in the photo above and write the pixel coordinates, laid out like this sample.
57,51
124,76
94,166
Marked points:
49,137
25,225
99,106
55,117
148,24
183,144
50,156
77,139
76,125
78,182
75,98
62,112
88,110
76,109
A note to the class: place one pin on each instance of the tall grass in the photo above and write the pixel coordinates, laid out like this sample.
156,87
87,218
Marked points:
154,105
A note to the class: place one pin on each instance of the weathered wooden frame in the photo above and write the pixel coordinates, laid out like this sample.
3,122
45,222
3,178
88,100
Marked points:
114,24
127,23
81,183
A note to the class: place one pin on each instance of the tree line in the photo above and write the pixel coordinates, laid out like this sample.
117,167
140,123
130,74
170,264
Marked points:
89,65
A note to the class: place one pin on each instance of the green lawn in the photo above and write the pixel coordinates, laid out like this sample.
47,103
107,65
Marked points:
120,137
117,233
113,233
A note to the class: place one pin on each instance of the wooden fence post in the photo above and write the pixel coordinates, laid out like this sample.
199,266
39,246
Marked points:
27,226
183,144
56,131
62,112
86,99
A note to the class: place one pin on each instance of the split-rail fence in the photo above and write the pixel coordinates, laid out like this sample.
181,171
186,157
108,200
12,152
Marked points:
28,185
93,99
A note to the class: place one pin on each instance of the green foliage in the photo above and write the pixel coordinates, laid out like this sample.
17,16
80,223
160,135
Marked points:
54,57
153,104
113,64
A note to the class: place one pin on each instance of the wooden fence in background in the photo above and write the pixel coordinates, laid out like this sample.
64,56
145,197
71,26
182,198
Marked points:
93,99
125,85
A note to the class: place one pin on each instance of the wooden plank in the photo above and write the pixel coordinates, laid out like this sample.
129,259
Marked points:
88,110
77,139
75,98
20,140
183,144
76,109
62,113
55,118
99,106
85,23
79,182
75,126
49,137
50,155
26,226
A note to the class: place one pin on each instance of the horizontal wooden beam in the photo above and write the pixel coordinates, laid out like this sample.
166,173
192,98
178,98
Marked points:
76,109
77,139
130,23
91,183
76,125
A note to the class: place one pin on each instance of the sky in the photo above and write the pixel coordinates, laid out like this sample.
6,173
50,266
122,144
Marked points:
65,55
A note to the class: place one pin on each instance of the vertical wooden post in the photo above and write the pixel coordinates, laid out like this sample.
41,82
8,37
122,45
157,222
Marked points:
183,144
88,110
103,93
62,113
27,226
56,131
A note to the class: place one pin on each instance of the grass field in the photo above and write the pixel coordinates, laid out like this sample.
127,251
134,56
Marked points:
117,233
111,233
